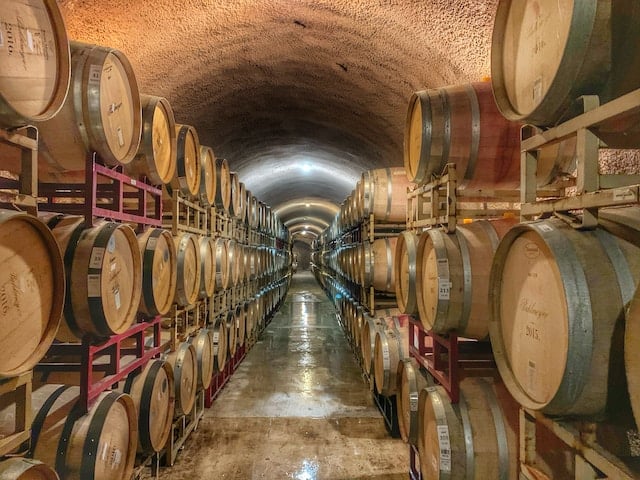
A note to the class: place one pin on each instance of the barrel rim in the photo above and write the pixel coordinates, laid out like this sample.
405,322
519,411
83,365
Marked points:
58,293
563,88
10,116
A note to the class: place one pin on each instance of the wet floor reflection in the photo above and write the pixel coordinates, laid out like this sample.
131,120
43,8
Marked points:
296,408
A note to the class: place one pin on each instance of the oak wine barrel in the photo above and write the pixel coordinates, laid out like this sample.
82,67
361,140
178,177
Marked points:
159,271
411,381
19,468
235,203
452,288
189,269
377,268
241,324
32,291
102,115
232,332
156,158
547,54
222,264
187,178
185,374
207,266
242,202
203,344
233,261
391,347
219,337
370,326
405,261
207,191
473,440
556,296
73,442
461,124
223,185
104,278
385,194
35,63
153,394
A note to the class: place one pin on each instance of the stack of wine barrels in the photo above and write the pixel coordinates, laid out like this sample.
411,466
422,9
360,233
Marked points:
362,264
82,281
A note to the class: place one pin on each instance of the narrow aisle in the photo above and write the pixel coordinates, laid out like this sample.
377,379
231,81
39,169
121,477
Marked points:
296,408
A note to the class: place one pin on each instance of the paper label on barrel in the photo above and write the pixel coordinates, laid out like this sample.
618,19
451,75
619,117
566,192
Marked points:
444,289
216,336
151,243
97,256
95,73
93,285
111,245
545,227
413,401
445,448
116,297
1,39
120,136
30,40
385,354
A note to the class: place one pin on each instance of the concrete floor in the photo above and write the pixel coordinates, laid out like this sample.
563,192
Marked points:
297,408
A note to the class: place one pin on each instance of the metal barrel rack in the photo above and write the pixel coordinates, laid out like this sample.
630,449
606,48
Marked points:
593,191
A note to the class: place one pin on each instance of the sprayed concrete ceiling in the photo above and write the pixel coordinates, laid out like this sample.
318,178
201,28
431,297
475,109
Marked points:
301,96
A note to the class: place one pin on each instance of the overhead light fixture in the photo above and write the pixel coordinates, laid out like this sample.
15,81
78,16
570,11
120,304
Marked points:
307,205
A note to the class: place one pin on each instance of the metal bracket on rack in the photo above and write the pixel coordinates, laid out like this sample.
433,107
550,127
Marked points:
105,193
84,355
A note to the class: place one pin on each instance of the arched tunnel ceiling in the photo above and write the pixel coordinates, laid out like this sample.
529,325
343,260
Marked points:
299,96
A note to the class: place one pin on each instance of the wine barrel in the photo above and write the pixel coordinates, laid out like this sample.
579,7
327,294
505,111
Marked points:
232,332
19,468
156,158
103,115
376,268
207,191
159,271
153,394
391,347
223,185
32,291
545,55
252,211
452,287
187,178
235,204
104,278
370,326
233,261
411,381
461,125
241,324
35,63
203,344
474,439
250,315
219,337
185,373
222,264
556,294
207,266
242,201
189,269
74,443
404,265
386,194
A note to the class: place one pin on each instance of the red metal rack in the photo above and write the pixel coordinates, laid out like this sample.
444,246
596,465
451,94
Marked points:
115,348
220,379
414,463
105,193
445,357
